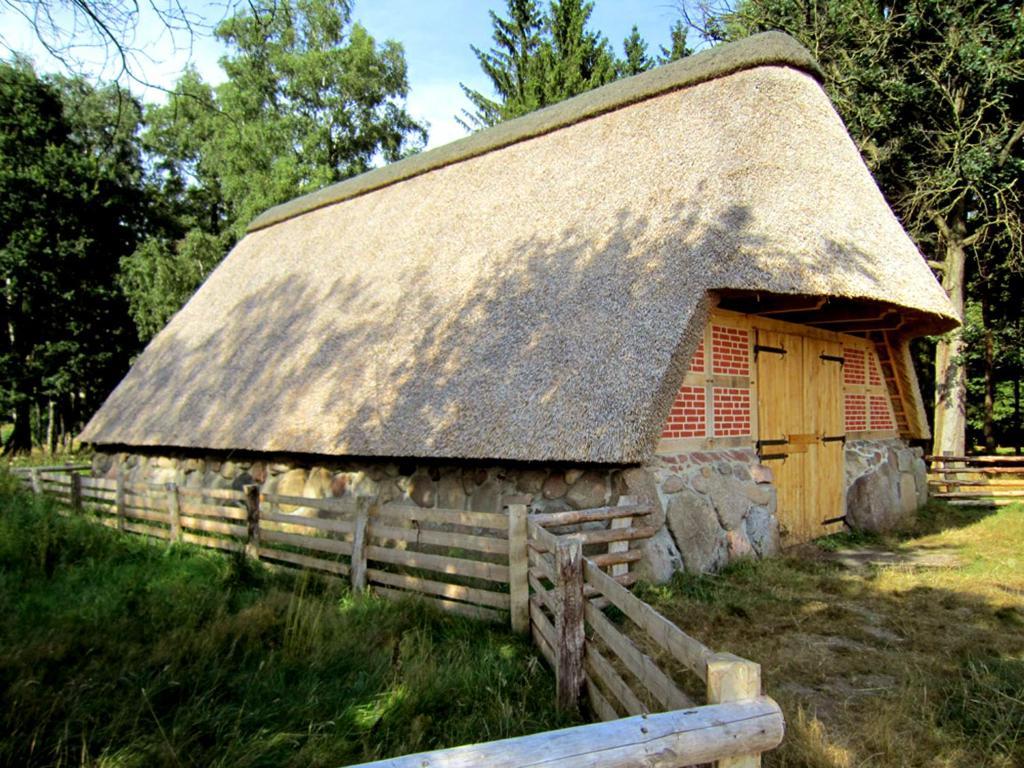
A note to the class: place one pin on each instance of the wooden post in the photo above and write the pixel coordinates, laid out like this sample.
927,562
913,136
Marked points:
252,521
76,492
119,497
620,569
357,570
37,486
518,568
732,679
569,634
174,508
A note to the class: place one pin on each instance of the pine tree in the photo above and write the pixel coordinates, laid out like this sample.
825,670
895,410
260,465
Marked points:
678,48
578,59
512,65
637,60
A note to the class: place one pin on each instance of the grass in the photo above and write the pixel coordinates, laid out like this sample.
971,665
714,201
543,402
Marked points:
891,666
115,651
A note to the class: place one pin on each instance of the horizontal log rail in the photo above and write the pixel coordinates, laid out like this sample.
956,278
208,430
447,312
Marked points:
976,480
665,740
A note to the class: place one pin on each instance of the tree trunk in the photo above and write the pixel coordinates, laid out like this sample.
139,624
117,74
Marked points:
1016,415
51,428
988,427
20,440
950,373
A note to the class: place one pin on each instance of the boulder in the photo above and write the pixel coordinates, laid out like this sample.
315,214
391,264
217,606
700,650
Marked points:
531,480
291,483
661,558
872,503
762,529
920,471
450,493
486,497
318,483
590,490
422,491
555,486
729,497
908,494
738,545
761,473
339,484
697,533
572,475
673,484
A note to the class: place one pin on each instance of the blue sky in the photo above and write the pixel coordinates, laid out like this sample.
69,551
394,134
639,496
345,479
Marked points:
436,36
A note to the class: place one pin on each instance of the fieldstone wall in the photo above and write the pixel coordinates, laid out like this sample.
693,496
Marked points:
713,507
886,480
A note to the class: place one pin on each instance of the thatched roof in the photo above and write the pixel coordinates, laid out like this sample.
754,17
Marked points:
532,292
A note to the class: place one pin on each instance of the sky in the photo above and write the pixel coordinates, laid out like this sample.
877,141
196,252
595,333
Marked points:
437,36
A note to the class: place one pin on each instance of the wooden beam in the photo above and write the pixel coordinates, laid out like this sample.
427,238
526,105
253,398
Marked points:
732,679
569,631
665,740
518,568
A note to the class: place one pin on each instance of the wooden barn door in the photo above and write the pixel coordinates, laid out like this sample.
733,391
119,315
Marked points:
800,428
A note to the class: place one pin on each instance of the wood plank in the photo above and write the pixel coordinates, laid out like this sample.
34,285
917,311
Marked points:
488,544
210,542
732,679
146,514
314,543
601,706
987,459
147,530
226,494
439,563
601,669
487,520
344,505
616,534
640,665
575,516
616,558
993,494
335,526
542,594
359,541
938,474
662,740
99,483
213,526
540,539
211,510
473,595
570,637
543,631
304,561
685,649
447,606
518,568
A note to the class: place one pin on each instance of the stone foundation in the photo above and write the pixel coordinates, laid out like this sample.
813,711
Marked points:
886,480
713,507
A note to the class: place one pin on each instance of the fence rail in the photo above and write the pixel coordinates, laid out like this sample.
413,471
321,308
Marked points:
561,577
976,480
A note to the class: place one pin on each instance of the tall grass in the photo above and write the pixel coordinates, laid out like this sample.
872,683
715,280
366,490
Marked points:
115,651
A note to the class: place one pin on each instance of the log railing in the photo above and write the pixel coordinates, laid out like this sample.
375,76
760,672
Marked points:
976,480
561,577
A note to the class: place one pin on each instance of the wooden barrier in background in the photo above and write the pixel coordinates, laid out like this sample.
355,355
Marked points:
976,480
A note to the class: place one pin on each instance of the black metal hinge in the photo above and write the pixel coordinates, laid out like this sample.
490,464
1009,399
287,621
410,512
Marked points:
834,359
831,520
761,443
834,439
774,456
773,350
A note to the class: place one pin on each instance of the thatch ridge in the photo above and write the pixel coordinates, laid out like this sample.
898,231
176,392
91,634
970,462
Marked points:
767,48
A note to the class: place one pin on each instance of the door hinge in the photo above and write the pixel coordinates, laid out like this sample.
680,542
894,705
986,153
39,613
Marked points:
834,359
831,520
774,456
773,350
761,443
834,439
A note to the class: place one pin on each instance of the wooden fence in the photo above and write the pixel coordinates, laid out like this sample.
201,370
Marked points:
561,577
976,480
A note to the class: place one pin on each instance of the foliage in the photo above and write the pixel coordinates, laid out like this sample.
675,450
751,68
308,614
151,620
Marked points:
311,98
115,650
540,59
678,47
71,204
636,59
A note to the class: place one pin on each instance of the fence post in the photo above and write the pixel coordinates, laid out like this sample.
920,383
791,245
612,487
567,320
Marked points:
119,497
569,634
37,486
252,521
357,569
518,569
76,492
732,679
174,508
616,547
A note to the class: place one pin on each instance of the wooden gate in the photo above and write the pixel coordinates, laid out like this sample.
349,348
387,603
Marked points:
800,413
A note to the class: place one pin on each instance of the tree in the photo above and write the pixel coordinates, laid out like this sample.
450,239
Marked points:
930,90
70,206
636,59
677,46
310,99
537,60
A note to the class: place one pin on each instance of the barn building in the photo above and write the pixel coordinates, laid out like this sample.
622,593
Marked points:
685,285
